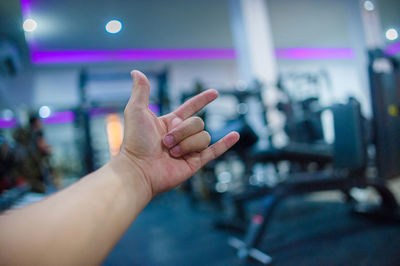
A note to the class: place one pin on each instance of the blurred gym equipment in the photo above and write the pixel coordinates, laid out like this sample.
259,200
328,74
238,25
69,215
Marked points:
351,160
301,153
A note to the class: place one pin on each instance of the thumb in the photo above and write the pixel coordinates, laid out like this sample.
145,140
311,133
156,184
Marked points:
141,89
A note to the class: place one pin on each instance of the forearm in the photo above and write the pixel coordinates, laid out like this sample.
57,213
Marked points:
78,225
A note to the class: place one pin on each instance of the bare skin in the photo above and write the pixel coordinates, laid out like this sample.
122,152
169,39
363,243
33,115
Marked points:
81,224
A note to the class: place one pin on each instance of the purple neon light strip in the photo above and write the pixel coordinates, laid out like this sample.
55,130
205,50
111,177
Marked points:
8,123
26,8
314,53
155,108
393,48
60,118
80,56
100,111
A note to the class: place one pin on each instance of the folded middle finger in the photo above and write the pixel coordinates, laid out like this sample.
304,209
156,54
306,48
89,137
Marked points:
187,128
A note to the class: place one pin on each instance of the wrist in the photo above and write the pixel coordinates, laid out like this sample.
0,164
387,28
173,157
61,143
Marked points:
131,174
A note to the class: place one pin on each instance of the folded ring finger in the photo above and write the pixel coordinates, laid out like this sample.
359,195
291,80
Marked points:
187,128
194,143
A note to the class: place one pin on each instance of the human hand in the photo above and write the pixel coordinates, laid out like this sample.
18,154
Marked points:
169,149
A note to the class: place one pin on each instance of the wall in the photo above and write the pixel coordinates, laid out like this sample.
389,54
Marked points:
305,23
58,86
323,24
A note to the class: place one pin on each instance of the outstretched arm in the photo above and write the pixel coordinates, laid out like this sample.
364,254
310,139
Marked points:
81,224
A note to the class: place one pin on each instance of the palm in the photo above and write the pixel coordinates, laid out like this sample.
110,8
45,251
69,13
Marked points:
144,133
145,143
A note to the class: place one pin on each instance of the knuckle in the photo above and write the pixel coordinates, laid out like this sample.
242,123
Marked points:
183,147
178,134
129,109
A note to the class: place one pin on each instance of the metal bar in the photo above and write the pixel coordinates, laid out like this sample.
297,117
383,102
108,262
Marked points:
252,252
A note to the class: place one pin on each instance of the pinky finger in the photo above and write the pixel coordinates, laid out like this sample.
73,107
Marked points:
218,148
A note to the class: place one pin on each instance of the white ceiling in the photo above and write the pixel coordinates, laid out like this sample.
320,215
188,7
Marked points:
390,13
178,24
10,25
150,24
309,23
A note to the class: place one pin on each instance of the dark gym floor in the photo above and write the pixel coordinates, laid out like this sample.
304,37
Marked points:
303,232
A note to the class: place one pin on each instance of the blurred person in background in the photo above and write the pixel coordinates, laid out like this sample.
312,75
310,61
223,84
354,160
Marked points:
7,162
35,166
11,157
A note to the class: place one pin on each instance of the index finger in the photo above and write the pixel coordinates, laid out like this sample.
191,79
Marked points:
195,104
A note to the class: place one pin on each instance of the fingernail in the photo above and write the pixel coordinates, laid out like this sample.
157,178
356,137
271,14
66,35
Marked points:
169,141
133,74
176,151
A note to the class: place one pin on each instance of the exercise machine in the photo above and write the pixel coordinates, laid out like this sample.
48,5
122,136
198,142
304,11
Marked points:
351,160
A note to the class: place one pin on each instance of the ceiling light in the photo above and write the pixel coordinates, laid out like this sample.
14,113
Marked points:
29,25
44,111
391,34
113,26
369,5
7,114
